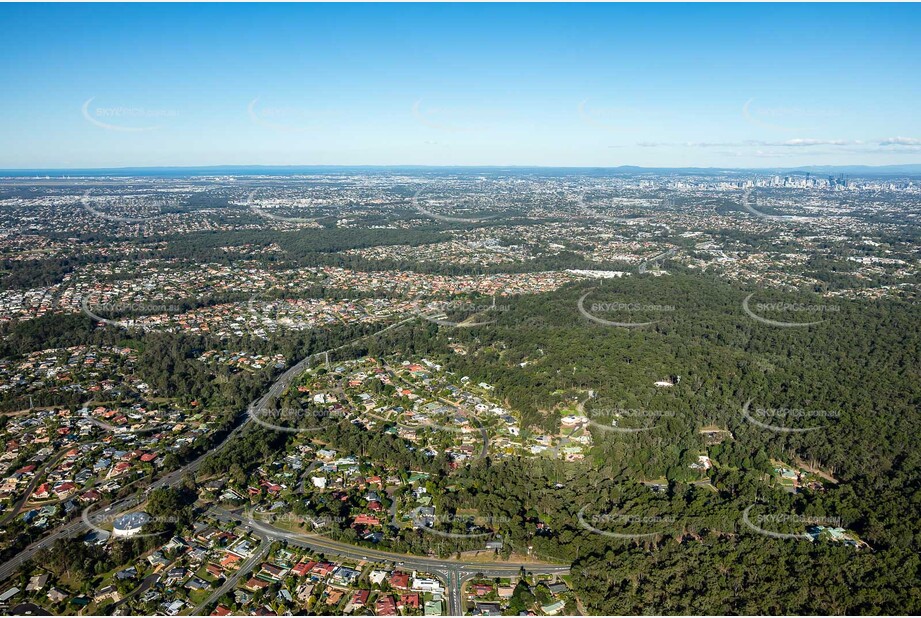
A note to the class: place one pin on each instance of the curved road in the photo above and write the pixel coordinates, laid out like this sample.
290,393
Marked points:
78,526
38,476
231,581
655,259
453,572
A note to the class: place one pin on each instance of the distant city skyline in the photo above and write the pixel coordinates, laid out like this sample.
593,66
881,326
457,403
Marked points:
734,86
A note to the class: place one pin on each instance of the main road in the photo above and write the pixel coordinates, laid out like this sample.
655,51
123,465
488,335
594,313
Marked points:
83,524
230,582
644,267
38,475
453,572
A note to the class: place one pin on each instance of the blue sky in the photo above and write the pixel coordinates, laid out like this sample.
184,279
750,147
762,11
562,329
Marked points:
570,85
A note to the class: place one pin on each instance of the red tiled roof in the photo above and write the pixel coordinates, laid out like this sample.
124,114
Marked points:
255,583
410,600
399,580
302,568
385,606
367,520
360,597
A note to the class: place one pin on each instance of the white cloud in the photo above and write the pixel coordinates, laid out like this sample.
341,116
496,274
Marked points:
818,142
870,146
753,143
901,141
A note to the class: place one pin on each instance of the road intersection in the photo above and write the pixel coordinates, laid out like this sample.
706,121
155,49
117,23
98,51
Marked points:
454,573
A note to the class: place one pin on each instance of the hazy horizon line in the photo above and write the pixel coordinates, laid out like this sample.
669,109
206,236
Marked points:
892,166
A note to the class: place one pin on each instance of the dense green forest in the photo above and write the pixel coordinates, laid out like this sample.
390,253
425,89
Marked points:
860,364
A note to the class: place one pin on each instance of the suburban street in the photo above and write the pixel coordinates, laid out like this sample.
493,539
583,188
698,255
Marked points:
79,525
644,267
231,581
14,510
452,572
